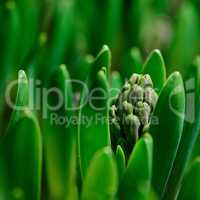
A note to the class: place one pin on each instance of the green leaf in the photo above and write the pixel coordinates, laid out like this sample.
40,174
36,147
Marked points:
136,181
121,161
132,63
166,130
21,160
190,132
196,71
103,59
21,151
155,67
101,180
191,184
22,98
93,134
59,138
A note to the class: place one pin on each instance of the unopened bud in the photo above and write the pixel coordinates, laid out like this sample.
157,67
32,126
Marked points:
132,125
150,96
134,79
132,109
136,94
127,107
145,81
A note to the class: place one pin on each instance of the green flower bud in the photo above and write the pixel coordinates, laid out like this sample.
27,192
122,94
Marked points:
113,110
143,111
145,81
127,107
131,128
126,86
134,79
115,125
136,94
133,107
150,97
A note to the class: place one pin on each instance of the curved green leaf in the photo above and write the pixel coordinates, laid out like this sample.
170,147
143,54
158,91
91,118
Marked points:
155,67
196,70
59,138
21,160
103,59
190,132
136,181
21,150
121,161
166,130
101,180
191,183
22,98
93,134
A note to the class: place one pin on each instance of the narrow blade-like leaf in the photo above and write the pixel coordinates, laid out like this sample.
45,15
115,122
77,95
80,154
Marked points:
167,130
190,132
135,184
93,134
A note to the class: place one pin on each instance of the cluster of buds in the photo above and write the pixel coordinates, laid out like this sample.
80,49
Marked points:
131,110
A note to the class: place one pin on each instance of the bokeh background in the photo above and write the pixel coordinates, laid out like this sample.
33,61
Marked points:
39,35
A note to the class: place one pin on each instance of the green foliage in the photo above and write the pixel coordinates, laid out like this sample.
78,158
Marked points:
121,161
155,67
59,140
101,180
188,190
136,180
190,133
166,138
93,136
153,165
21,151
72,156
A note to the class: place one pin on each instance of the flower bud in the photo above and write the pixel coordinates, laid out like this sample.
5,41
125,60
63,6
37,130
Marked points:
134,79
133,107
127,107
136,94
150,97
132,125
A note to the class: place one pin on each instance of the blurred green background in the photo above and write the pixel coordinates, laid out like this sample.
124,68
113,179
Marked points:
39,35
